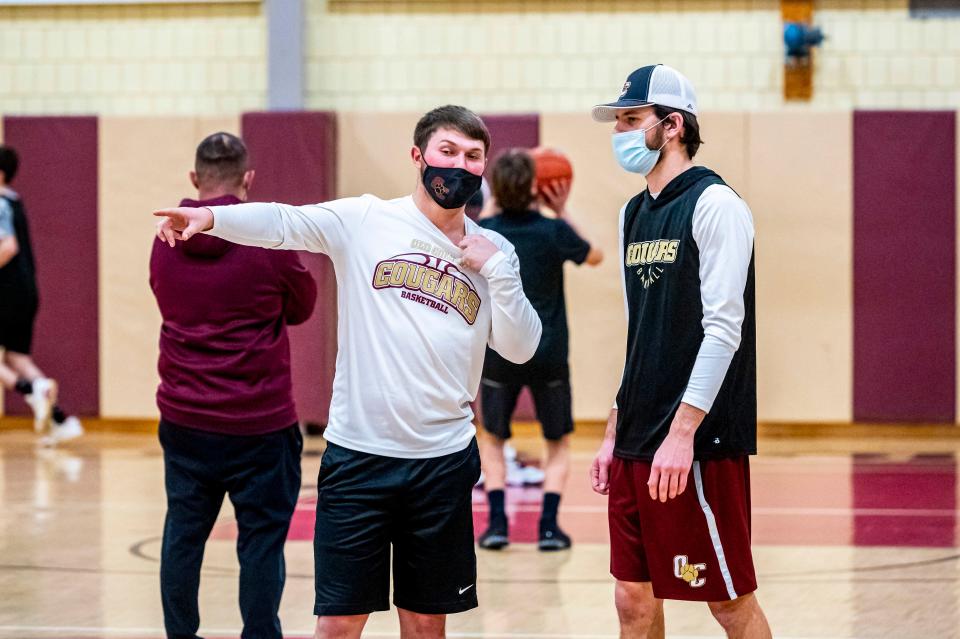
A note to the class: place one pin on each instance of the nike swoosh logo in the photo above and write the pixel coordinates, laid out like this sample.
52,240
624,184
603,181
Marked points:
463,590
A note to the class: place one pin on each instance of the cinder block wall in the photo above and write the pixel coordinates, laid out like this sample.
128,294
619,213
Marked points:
492,55
132,60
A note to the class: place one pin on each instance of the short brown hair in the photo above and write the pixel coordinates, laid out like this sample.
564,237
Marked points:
221,159
512,180
691,128
453,117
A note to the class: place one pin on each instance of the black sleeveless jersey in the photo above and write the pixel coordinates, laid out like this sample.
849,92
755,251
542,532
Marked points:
661,264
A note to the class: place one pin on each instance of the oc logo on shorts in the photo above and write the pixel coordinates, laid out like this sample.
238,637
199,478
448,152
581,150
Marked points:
690,573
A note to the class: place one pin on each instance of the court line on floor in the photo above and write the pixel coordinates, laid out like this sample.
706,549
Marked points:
875,568
761,510
149,633
808,577
87,631
15,509
137,551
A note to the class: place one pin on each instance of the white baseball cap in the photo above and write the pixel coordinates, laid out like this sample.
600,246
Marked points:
647,86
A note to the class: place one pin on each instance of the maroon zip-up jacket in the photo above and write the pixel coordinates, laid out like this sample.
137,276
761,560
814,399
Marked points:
224,352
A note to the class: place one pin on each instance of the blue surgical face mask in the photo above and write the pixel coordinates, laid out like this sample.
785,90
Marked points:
630,149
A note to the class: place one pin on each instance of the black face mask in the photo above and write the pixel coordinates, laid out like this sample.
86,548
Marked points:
450,188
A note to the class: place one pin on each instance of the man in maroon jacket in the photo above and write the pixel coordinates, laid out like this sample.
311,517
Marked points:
228,423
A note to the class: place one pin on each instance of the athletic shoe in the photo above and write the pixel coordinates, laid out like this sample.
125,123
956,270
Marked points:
42,400
69,429
494,537
518,475
552,538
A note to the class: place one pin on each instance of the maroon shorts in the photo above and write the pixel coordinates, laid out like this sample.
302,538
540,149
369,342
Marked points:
696,546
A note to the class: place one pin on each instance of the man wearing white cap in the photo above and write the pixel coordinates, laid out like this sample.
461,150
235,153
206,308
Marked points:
686,410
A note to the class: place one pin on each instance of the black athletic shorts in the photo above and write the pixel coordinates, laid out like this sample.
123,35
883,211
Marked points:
421,507
551,399
16,325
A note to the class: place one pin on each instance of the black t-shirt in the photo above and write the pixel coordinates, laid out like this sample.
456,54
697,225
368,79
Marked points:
18,285
543,244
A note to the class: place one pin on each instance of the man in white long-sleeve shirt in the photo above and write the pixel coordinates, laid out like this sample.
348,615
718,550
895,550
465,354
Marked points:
422,290
687,406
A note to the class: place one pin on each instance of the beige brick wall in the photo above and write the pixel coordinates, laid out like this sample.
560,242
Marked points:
879,57
494,55
556,56
130,60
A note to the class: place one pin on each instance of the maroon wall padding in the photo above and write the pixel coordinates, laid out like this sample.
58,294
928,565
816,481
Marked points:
58,182
508,131
904,266
911,503
294,155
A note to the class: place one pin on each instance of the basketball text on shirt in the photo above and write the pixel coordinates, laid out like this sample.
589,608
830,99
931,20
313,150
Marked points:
433,277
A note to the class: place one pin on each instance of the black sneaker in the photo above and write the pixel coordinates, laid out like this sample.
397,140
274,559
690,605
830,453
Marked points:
552,538
494,537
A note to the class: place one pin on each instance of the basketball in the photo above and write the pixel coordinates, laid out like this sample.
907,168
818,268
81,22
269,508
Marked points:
551,165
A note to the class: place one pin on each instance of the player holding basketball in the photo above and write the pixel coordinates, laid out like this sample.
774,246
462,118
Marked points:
674,459
422,290
543,245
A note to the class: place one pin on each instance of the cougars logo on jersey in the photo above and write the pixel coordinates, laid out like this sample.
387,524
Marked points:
648,256
442,284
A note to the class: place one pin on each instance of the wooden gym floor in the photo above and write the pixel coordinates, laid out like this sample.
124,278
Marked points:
855,535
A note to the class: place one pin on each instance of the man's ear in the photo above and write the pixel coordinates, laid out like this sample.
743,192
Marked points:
417,156
193,180
676,124
248,179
